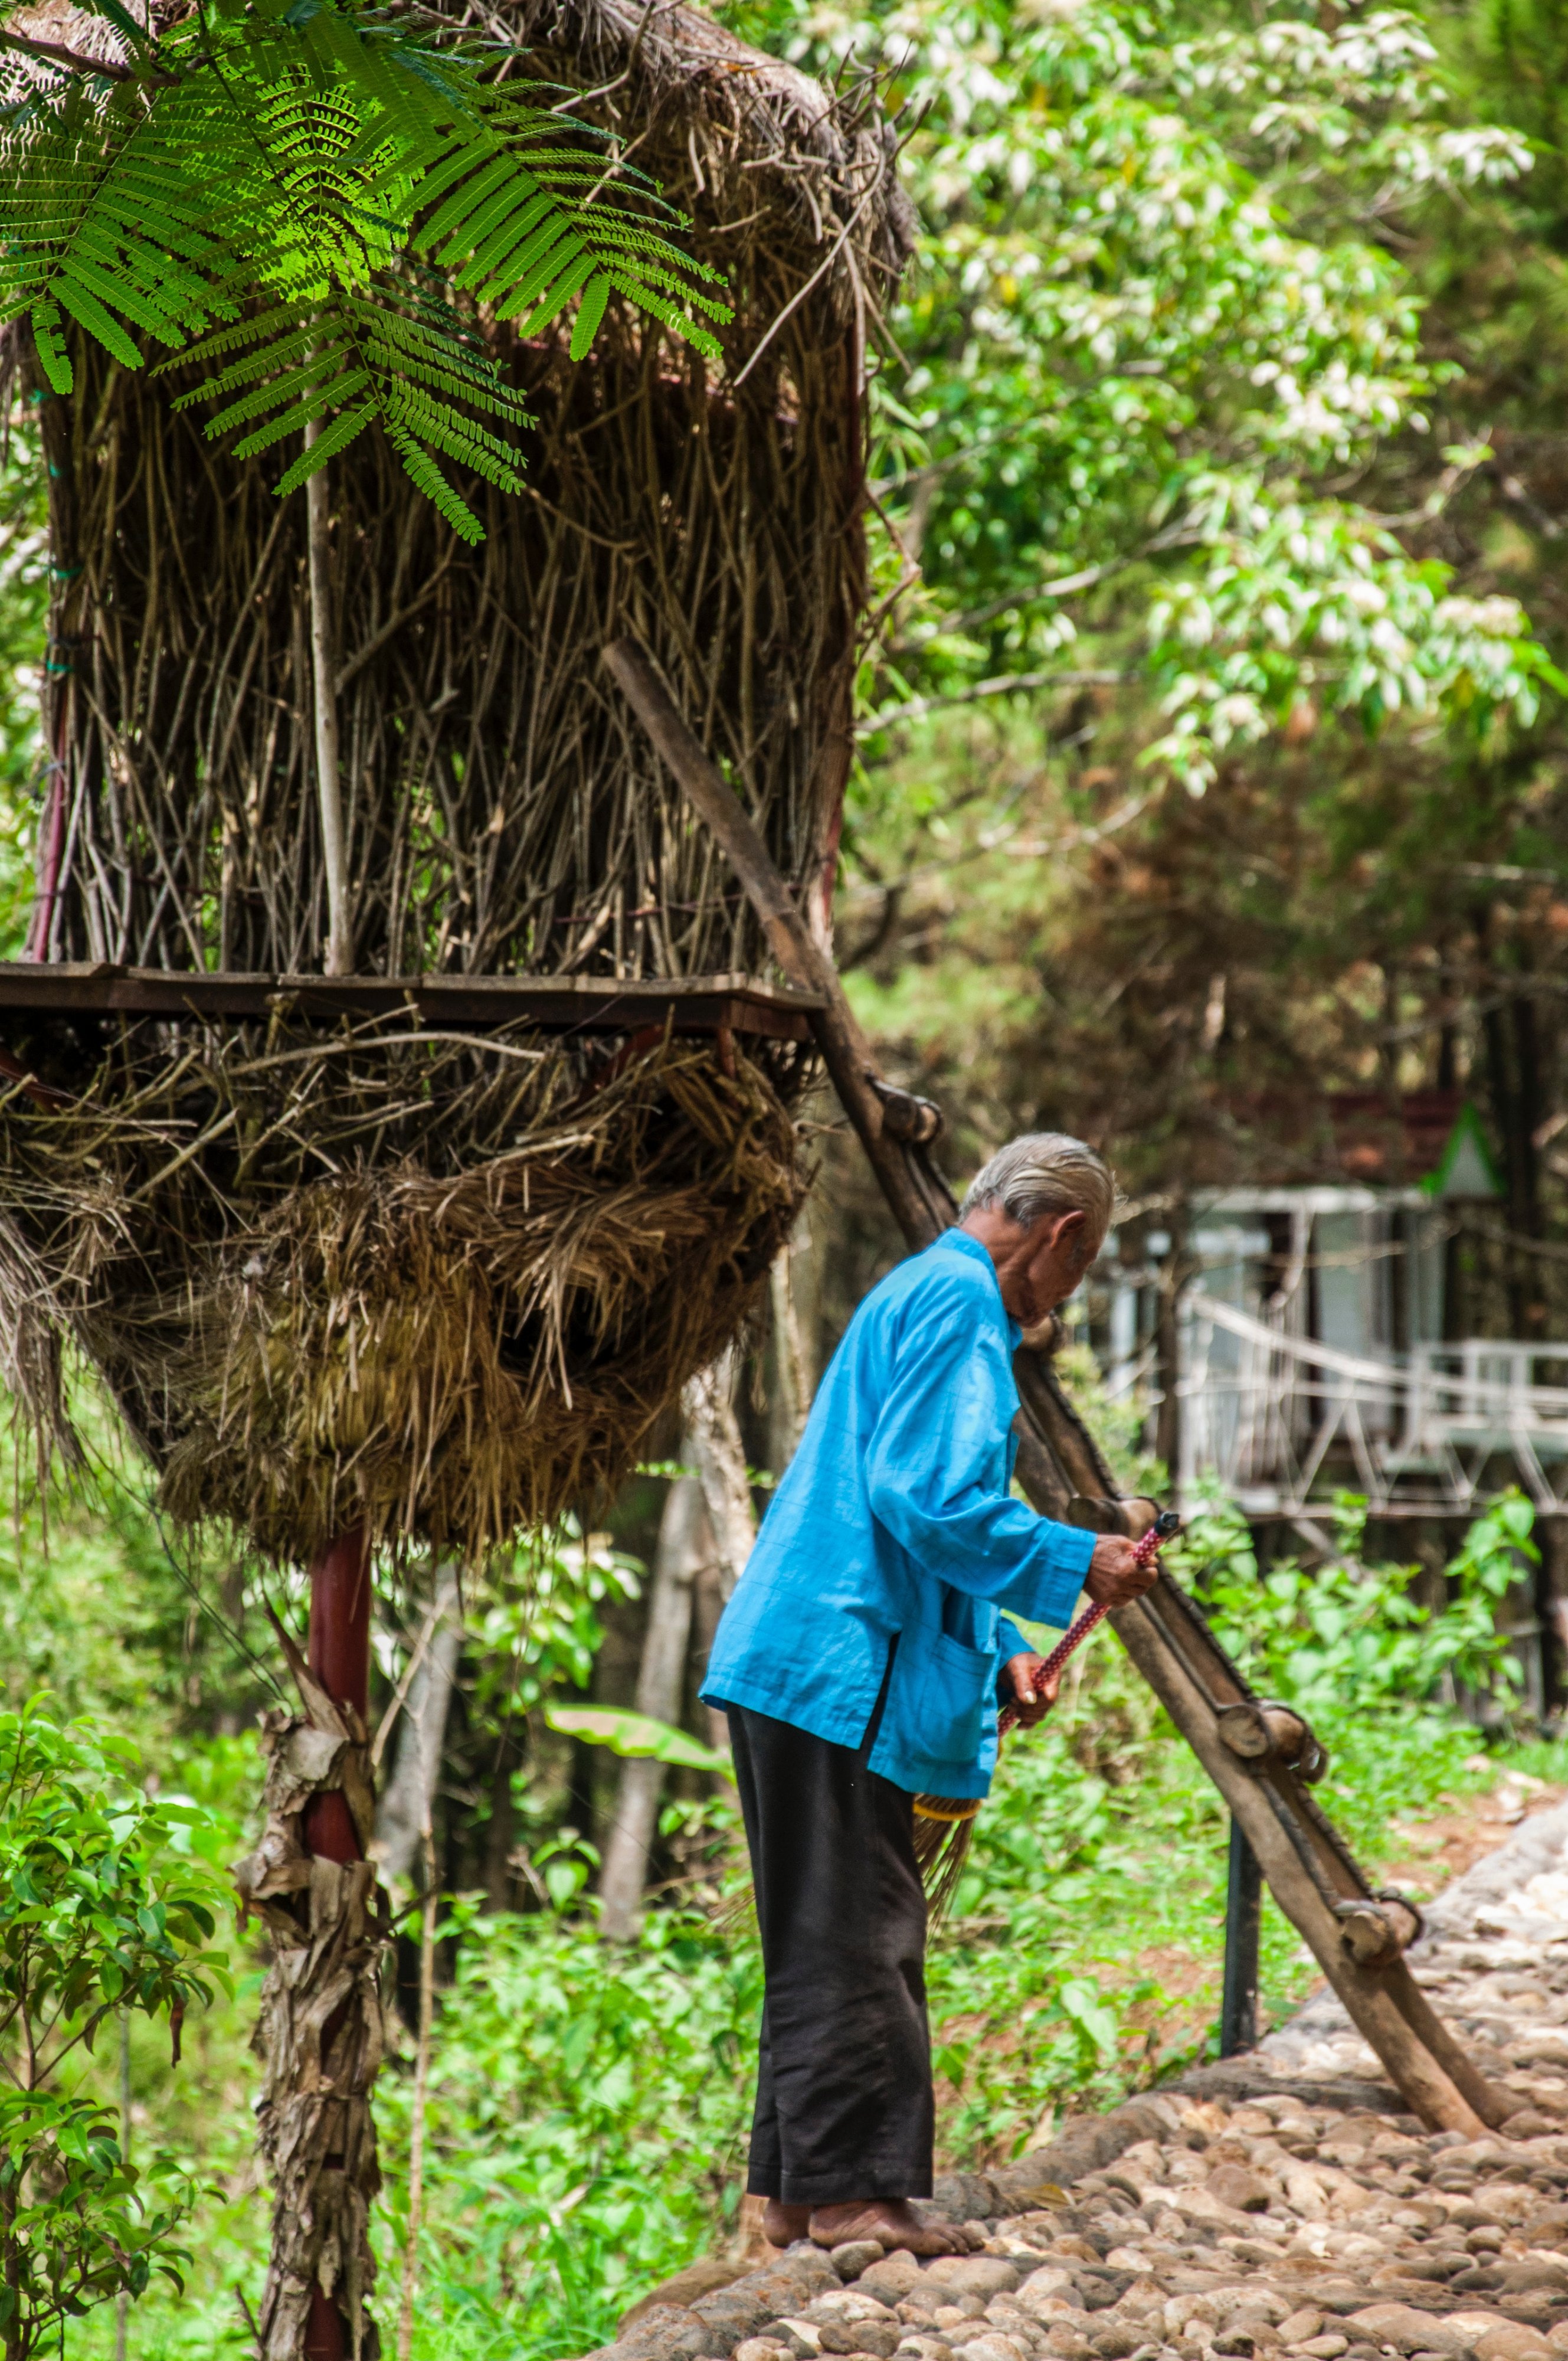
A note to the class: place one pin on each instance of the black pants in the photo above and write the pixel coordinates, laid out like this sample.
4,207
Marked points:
844,2099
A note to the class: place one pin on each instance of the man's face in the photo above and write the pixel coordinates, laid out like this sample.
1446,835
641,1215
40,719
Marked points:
1038,1267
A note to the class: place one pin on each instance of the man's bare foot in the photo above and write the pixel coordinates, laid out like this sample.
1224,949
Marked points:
892,2221
783,2224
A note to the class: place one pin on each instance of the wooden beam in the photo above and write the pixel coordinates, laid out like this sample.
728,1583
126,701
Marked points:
563,1003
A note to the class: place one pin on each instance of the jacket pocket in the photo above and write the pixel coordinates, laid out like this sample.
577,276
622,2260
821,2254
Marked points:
940,1697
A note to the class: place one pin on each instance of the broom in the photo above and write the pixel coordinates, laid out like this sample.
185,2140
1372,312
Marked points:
943,1824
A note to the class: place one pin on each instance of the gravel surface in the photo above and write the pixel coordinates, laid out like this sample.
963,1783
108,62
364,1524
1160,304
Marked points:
1283,2203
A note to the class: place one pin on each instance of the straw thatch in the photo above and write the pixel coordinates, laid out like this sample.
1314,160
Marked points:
330,1315
446,1288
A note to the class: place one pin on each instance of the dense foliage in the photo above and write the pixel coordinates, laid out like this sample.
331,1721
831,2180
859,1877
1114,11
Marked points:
1158,331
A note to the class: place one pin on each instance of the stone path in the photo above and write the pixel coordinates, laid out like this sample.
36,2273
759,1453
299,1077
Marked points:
1279,2204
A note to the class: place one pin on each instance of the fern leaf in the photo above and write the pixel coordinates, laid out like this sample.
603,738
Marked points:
429,480
560,294
435,379
590,312
84,308
458,436
244,333
86,275
450,221
528,282
316,404
251,366
345,429
50,346
496,222
532,269
124,23
266,397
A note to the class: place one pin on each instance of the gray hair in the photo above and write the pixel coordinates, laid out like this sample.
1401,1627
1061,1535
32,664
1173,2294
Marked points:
1042,1173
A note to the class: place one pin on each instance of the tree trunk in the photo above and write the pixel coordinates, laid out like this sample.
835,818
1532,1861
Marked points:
789,1413
684,1541
712,1446
319,2033
408,1797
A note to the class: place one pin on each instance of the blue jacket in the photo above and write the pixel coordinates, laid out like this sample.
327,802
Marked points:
896,1518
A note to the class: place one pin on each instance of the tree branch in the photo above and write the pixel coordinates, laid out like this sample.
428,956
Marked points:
55,54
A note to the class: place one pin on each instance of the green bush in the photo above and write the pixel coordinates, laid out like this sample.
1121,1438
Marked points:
586,2126
104,1909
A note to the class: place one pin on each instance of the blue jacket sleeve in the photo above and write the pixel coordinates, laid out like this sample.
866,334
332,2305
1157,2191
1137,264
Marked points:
1011,1643
936,1461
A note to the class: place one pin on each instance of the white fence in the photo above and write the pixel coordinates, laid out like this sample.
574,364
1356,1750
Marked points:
1278,1417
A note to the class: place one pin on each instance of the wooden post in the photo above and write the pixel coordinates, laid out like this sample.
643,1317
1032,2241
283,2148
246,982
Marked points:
339,1653
1244,1913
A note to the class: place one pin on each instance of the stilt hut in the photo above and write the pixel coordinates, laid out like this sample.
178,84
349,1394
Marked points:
417,1253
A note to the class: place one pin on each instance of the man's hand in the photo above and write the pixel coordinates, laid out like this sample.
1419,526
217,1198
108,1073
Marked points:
1018,1686
1114,1574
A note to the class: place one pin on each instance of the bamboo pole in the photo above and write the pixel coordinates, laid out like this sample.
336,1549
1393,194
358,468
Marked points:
1376,2000
684,1539
338,958
801,958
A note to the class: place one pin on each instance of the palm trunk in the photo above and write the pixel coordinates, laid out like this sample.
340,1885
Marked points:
320,2028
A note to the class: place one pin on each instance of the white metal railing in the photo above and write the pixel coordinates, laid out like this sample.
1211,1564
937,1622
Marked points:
1268,1413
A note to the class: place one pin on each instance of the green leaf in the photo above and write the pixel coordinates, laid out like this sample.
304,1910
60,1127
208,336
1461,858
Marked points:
590,312
121,19
345,429
53,357
635,1734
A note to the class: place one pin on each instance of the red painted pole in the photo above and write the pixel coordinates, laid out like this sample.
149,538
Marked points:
338,1652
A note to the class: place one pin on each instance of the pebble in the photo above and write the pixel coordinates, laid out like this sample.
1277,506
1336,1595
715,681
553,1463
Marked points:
1237,2188
979,2275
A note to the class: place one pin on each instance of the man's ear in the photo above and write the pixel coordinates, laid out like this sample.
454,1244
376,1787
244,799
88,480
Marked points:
1072,1232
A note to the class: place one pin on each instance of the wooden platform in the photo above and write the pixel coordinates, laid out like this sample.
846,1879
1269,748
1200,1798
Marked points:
566,1004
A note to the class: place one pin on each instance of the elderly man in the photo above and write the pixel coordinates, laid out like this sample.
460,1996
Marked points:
862,1660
